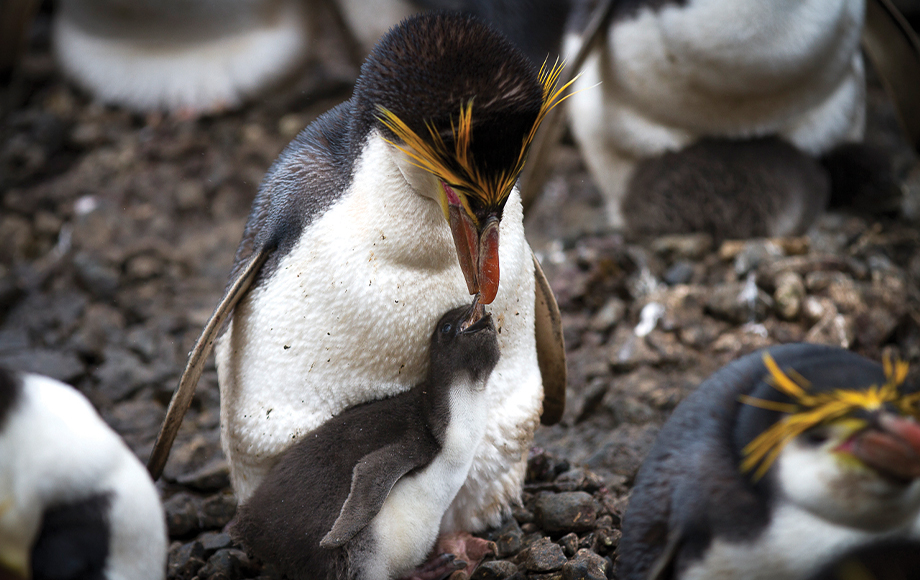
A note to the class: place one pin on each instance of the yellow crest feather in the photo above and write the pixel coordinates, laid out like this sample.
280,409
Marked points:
807,410
432,154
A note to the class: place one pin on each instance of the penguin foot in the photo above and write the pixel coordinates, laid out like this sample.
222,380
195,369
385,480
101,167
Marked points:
466,547
438,567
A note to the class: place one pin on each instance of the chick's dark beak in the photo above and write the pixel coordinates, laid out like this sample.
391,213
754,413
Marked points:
477,248
893,448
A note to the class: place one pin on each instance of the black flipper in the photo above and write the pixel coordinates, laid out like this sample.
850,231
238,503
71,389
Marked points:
372,479
550,347
894,49
182,397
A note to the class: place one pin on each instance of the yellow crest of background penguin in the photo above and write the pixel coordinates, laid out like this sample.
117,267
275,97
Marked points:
75,503
363,495
746,481
352,251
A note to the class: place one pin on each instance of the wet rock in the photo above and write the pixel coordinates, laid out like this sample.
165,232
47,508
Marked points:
226,564
573,511
217,511
185,560
585,566
181,515
508,539
542,556
496,570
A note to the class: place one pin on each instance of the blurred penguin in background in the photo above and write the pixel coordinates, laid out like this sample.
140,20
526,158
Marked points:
75,503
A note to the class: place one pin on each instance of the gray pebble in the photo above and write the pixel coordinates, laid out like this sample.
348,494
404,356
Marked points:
573,511
679,273
497,570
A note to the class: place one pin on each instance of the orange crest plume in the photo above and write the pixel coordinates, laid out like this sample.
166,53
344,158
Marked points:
457,168
807,411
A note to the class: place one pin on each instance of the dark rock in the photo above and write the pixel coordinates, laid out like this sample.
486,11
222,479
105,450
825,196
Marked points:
569,543
185,560
585,566
181,514
57,364
681,272
542,556
122,374
98,279
226,564
217,511
497,570
573,511
508,539
214,541
212,477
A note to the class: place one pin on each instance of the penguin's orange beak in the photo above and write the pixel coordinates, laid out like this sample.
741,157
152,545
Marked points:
476,242
893,448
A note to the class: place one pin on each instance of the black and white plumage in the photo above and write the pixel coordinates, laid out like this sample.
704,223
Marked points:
363,495
670,72
387,211
745,481
75,503
195,55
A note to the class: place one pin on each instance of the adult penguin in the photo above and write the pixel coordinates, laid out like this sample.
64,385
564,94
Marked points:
387,211
778,463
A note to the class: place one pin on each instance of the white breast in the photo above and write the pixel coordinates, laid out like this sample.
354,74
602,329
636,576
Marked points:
347,317
407,526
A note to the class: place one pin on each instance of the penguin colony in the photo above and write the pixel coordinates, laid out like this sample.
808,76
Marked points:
75,503
359,197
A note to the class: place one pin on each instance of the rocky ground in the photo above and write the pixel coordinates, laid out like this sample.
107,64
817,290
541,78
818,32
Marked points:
117,233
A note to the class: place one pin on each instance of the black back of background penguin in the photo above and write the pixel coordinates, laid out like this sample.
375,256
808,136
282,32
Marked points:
302,498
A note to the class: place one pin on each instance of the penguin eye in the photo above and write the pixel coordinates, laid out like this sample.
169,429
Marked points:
816,437
447,328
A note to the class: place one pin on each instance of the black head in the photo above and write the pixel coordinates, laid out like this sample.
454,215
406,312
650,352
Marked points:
460,346
429,67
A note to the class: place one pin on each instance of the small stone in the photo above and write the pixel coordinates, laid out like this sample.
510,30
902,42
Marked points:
495,570
681,272
737,303
185,560
226,564
543,556
789,294
585,566
181,514
143,267
610,314
190,195
58,364
212,477
98,279
217,511
754,254
508,539
573,511
686,246
569,543
122,374
214,541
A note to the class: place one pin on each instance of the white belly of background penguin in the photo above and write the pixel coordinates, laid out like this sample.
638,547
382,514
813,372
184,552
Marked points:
672,72
75,502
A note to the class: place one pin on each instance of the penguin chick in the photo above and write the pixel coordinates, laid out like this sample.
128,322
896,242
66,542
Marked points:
185,56
670,72
728,188
363,495
775,465
75,503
